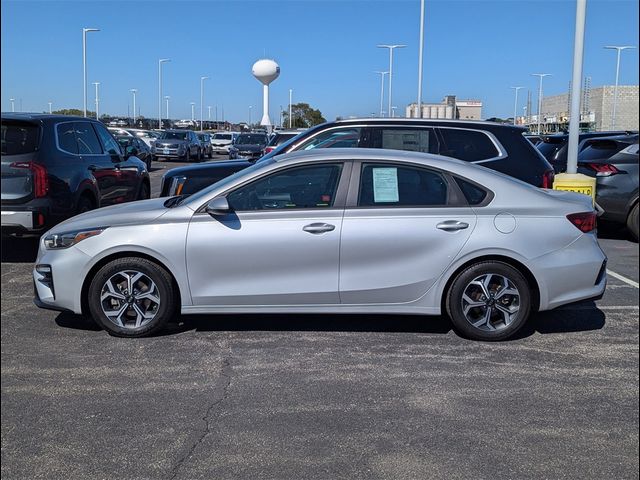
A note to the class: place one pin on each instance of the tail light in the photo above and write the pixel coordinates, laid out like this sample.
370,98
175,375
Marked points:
603,169
585,221
269,150
40,178
547,179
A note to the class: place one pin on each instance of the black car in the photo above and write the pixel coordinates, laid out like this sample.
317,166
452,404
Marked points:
56,166
500,147
556,147
614,163
249,146
136,147
205,141
189,179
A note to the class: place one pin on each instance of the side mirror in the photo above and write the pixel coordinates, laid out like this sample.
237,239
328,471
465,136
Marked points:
218,206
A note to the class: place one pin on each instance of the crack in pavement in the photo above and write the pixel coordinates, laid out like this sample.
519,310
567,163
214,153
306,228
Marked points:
222,384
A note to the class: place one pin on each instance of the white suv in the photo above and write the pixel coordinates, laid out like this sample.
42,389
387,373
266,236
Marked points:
222,141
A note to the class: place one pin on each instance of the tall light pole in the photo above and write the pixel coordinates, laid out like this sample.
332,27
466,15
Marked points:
50,103
202,79
209,114
290,107
160,62
250,107
615,89
84,64
541,75
420,59
13,105
97,84
391,49
134,91
515,104
574,114
193,112
382,74
167,97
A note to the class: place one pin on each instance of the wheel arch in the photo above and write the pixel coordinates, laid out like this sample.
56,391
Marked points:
521,267
114,256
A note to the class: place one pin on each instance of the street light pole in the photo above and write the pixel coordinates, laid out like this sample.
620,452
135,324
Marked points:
420,59
50,107
290,107
541,75
615,89
250,107
160,62
167,97
134,91
97,99
515,105
209,114
202,79
574,114
391,49
193,112
84,64
13,105
382,74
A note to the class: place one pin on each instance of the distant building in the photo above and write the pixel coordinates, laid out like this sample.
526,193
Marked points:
450,108
596,110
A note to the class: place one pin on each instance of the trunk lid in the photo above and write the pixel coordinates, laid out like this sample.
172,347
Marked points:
20,148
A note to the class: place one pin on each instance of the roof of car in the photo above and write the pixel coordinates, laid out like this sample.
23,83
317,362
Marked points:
43,117
427,121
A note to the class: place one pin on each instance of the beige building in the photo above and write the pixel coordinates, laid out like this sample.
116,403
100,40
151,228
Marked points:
449,109
596,110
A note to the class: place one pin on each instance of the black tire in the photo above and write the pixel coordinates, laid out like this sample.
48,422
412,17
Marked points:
163,312
187,156
199,156
632,222
84,205
492,270
148,162
210,154
143,192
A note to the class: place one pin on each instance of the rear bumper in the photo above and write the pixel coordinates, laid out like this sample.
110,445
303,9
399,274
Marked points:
25,219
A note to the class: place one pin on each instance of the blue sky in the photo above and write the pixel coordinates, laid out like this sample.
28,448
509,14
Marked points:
326,50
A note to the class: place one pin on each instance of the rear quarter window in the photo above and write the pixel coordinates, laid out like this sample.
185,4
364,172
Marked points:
474,194
19,138
468,145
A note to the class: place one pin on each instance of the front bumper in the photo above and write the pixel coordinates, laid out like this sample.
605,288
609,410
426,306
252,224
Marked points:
220,149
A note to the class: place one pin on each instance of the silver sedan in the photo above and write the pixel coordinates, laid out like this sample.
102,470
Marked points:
331,231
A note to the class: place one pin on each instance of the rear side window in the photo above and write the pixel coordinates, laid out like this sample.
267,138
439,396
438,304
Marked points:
336,138
468,145
474,194
88,143
110,145
19,138
67,138
394,185
411,139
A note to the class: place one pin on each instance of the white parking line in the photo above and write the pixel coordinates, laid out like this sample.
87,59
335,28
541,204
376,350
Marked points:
623,278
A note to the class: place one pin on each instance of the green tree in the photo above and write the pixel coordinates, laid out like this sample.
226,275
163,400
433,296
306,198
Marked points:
303,116
73,111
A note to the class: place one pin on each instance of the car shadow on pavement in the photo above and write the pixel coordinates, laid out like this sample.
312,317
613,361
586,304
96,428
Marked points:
19,250
557,321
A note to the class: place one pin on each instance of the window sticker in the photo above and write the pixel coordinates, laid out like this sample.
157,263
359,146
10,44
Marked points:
385,185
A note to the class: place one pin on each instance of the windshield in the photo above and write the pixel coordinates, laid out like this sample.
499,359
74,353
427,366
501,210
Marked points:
285,146
173,136
247,139
19,138
222,136
199,196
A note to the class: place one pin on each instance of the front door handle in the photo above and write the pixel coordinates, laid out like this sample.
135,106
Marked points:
452,225
317,228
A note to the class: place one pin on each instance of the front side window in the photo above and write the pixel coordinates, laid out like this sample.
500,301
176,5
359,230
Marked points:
401,186
67,138
88,143
336,138
110,145
411,139
468,145
302,187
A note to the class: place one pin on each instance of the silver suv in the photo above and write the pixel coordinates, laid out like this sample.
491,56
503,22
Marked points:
181,144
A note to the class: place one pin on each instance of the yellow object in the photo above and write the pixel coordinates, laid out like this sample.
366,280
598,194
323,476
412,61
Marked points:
576,182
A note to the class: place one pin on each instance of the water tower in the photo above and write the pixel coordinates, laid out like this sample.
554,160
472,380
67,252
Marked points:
266,71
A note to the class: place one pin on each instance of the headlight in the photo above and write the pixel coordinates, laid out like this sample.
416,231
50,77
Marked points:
68,239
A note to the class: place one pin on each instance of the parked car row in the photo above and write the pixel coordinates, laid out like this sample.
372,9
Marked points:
610,157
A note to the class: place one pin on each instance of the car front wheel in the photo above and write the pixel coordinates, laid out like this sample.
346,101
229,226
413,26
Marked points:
489,300
132,297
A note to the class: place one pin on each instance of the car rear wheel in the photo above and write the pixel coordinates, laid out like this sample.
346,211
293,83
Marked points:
187,156
489,300
144,193
632,222
132,297
84,205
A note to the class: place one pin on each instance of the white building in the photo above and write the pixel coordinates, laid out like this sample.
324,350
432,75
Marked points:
450,108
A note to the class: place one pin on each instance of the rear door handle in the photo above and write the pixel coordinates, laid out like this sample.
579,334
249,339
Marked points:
317,228
452,225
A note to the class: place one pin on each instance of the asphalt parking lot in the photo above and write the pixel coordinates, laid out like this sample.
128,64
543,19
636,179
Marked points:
317,397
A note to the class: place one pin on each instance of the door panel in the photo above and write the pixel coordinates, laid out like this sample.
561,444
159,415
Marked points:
394,255
264,258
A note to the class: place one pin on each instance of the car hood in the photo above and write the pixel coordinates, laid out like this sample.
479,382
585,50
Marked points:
252,147
133,213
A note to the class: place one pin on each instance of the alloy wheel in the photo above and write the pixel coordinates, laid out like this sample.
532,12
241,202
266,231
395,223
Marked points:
490,302
130,299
